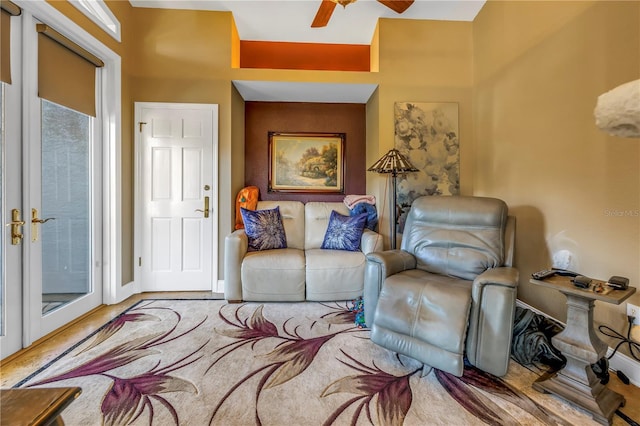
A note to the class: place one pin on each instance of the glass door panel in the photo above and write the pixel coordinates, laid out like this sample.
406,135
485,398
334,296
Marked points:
64,222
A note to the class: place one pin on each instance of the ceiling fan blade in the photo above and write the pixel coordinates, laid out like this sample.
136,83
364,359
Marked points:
398,6
324,14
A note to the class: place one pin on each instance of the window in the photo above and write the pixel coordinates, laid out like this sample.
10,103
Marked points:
99,12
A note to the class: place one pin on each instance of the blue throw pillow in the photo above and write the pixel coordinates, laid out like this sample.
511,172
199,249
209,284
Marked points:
264,229
344,232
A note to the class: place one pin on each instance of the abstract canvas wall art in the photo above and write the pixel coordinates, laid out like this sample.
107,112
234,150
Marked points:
427,134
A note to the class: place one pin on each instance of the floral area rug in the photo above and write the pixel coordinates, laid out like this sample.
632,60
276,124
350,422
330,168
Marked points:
206,362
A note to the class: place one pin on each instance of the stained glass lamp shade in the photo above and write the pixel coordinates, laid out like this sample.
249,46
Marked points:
393,163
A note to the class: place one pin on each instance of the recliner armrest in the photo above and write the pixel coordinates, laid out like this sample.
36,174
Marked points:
491,319
504,276
379,266
236,245
392,261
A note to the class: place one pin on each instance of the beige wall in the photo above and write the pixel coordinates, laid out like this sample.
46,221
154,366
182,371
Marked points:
123,11
539,68
420,61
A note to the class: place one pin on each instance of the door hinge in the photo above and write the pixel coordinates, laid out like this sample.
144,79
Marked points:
140,123
139,261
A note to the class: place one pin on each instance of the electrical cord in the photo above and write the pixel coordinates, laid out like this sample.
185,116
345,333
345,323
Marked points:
634,347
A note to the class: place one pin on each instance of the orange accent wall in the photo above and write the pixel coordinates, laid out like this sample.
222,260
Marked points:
304,56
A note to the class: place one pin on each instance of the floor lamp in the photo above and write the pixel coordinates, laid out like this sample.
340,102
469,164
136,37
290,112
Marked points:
394,164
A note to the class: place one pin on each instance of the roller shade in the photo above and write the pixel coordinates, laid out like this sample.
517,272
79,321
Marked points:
66,71
8,10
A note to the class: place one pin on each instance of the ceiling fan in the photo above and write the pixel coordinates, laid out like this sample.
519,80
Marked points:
326,9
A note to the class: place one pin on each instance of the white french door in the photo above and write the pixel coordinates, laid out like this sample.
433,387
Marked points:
63,214
51,200
10,202
177,196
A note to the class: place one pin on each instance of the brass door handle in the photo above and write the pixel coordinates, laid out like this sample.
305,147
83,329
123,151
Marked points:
15,224
42,220
34,223
206,207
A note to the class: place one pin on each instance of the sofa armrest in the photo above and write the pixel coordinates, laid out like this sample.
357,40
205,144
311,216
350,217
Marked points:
236,245
491,319
370,242
379,266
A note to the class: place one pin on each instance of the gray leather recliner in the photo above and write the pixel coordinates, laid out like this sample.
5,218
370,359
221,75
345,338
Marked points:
450,290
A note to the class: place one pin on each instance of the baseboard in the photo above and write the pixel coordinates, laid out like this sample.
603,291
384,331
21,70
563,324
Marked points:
219,287
619,362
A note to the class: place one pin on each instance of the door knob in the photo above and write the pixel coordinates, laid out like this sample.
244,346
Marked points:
34,223
206,207
15,224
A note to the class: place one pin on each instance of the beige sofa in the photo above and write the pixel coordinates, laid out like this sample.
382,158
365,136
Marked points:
302,271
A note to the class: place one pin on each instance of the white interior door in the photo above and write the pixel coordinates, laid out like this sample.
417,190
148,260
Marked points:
177,185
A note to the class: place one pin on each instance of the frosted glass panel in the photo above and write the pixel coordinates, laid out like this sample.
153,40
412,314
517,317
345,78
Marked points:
66,195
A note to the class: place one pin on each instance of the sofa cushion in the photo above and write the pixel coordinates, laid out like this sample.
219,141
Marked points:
316,217
344,232
334,274
264,229
273,275
293,219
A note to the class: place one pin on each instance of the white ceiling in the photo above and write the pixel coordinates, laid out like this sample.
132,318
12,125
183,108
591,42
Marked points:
290,20
282,91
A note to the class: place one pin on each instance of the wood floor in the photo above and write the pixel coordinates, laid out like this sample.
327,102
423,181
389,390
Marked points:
17,367
20,365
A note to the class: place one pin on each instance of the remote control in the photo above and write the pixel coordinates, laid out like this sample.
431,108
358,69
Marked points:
565,272
545,273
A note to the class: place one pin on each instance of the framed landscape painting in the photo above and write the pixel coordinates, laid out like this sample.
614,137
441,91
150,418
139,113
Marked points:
306,162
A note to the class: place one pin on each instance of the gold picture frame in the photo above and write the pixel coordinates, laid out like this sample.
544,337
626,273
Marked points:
306,162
